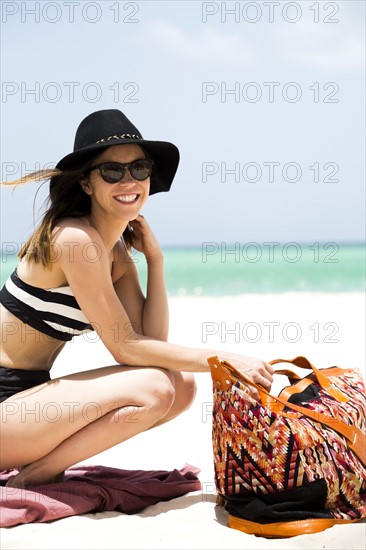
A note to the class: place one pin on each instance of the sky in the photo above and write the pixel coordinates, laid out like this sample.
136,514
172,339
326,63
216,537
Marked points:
265,100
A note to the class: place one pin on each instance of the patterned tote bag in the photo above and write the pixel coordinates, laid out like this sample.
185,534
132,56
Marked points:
294,463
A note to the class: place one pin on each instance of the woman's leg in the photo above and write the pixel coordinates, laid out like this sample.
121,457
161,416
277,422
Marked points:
185,392
68,429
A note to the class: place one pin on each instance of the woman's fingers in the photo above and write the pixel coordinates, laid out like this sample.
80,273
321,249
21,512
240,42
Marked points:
265,382
262,378
259,372
254,393
268,372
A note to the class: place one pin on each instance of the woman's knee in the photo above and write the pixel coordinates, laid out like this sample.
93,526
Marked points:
159,391
185,390
190,388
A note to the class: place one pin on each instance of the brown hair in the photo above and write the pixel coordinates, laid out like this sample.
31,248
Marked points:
66,199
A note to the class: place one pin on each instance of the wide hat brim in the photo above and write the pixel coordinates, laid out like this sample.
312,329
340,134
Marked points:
108,127
164,154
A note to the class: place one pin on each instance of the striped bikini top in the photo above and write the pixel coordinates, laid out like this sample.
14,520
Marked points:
52,311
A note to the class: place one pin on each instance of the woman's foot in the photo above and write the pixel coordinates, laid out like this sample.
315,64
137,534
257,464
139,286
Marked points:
29,477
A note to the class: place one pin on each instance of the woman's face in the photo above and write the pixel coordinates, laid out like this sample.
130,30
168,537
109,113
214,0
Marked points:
124,198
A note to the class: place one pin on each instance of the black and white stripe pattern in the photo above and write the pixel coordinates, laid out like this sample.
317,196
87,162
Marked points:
53,311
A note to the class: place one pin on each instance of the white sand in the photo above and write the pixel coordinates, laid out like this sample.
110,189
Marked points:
193,521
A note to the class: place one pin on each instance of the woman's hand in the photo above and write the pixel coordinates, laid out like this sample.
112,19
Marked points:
257,370
143,239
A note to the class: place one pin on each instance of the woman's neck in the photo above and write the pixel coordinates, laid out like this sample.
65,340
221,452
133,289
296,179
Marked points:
109,230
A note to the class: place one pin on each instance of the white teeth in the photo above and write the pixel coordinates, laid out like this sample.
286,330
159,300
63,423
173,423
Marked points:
126,198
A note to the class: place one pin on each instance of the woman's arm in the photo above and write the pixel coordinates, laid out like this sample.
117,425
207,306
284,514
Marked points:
93,288
149,316
155,316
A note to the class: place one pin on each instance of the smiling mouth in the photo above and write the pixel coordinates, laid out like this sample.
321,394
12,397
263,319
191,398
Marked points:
127,199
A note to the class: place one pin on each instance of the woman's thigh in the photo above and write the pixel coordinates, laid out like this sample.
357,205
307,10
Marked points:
45,415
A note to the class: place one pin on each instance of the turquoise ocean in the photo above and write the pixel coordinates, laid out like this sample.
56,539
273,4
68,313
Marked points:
222,269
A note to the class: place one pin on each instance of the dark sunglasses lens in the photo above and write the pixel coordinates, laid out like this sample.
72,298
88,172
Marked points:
112,173
141,169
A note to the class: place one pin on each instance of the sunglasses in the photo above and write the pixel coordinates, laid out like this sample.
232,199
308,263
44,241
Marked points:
114,172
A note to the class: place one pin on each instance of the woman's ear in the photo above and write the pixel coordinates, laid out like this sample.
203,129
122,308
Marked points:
85,185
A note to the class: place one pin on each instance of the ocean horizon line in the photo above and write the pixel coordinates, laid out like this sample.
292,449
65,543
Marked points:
241,242
226,269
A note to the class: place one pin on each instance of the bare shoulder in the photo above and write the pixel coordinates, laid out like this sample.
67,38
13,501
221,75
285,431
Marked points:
79,251
74,239
74,230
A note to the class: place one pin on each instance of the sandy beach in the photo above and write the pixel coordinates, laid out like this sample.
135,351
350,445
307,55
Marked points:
327,328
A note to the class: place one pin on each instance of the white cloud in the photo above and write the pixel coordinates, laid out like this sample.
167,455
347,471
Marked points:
325,47
346,54
207,46
338,46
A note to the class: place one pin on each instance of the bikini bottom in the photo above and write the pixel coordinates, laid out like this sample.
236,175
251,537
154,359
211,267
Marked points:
13,381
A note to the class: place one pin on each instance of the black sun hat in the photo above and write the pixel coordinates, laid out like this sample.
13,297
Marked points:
108,127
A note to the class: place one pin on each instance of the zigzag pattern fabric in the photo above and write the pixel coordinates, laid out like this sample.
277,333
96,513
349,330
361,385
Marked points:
259,452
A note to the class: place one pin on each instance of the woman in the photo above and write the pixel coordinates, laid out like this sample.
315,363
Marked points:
76,275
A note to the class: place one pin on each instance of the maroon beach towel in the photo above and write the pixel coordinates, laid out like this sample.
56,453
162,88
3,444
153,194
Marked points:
91,489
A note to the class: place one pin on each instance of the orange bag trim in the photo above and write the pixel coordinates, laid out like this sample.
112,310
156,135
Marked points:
285,529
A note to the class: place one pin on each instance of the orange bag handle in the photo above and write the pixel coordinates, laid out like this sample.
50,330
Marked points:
291,375
224,374
322,378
